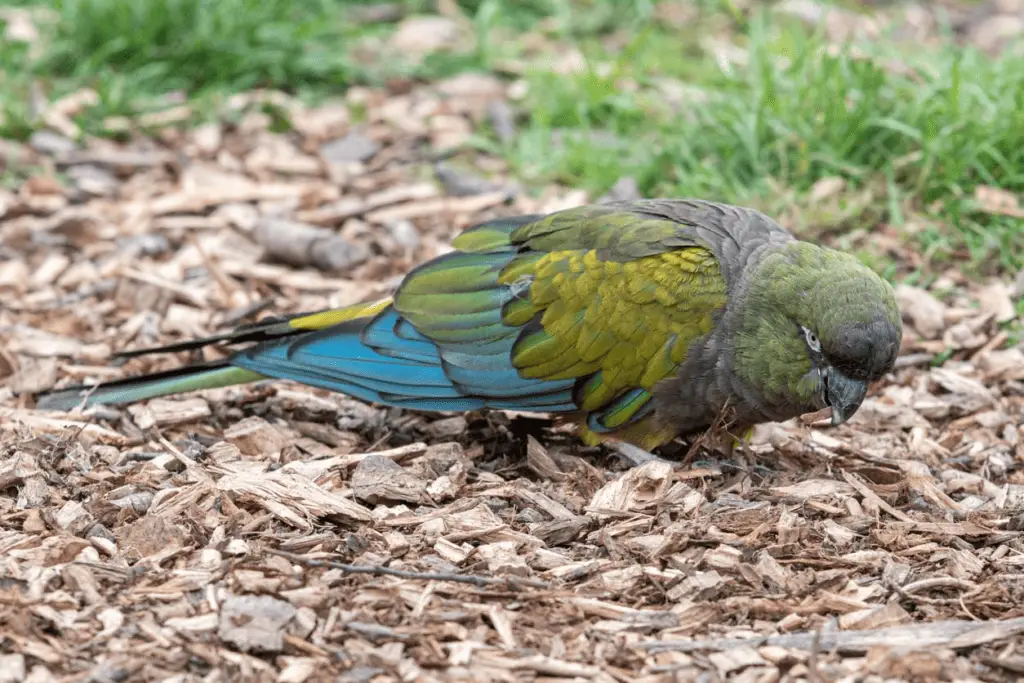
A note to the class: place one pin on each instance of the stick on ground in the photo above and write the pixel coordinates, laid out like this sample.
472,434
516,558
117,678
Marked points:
376,570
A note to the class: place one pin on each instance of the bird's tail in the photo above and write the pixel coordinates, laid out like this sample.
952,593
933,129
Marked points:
210,375
145,387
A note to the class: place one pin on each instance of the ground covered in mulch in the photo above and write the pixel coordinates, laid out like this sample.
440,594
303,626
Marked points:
276,532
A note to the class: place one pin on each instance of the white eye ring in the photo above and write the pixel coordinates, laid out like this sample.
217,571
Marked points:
812,340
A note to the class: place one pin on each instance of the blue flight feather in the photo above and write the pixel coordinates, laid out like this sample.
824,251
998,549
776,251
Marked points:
386,360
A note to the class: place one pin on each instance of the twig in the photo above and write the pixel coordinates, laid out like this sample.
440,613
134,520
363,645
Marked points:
376,570
1014,664
868,494
300,244
226,284
953,634
812,661
907,592
938,582
914,359
963,606
712,436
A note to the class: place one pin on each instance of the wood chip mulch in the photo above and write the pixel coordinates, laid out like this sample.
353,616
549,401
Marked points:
275,532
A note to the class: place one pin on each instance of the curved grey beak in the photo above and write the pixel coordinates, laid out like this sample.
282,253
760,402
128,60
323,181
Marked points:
844,395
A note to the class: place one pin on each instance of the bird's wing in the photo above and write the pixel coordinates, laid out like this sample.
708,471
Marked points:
581,311
615,302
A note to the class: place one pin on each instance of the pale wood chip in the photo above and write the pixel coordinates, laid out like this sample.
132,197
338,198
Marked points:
291,497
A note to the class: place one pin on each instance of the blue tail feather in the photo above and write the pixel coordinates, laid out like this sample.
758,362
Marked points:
356,388
538,404
386,360
346,383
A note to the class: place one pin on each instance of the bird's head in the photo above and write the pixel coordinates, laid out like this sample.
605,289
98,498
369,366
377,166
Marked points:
816,327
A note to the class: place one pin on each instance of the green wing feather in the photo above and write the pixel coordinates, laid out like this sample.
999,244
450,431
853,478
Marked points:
605,297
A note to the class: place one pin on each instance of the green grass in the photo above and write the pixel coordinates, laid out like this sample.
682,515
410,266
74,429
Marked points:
195,44
907,145
133,52
911,144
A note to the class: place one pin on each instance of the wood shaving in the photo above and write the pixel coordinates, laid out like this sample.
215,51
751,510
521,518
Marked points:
279,532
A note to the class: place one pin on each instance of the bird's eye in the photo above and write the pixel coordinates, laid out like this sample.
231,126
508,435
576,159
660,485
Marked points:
812,340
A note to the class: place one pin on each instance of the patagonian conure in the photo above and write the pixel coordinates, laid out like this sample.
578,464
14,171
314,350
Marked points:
642,320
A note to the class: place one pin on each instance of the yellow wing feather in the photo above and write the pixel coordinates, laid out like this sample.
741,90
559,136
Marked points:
322,319
628,325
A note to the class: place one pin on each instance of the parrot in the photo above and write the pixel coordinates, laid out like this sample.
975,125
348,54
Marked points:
640,321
